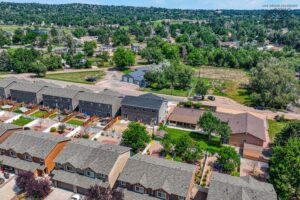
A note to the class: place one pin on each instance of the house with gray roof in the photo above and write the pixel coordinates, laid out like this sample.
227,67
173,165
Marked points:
100,104
226,187
7,129
61,98
136,77
27,92
31,151
5,85
147,108
83,163
157,177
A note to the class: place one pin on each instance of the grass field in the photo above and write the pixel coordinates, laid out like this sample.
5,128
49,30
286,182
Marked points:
39,114
22,121
275,128
76,77
75,122
212,145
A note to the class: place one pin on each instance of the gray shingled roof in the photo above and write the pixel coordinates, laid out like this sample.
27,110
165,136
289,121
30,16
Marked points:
4,83
21,164
27,87
226,187
98,98
130,195
143,101
111,92
37,144
60,92
77,179
5,127
97,156
156,173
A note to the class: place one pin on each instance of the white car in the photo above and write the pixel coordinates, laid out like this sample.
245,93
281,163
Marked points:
76,197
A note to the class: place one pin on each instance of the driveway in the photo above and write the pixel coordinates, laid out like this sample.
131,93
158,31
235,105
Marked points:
8,191
60,194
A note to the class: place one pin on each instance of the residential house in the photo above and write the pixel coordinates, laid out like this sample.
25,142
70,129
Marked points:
223,186
246,127
83,163
147,108
100,104
31,151
5,85
157,177
27,92
136,48
61,98
7,129
136,77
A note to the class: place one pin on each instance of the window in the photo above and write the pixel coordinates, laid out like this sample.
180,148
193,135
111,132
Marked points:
13,154
102,176
139,189
161,195
69,168
181,198
90,174
28,157
122,183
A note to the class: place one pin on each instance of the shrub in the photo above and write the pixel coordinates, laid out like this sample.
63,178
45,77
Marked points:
53,129
85,136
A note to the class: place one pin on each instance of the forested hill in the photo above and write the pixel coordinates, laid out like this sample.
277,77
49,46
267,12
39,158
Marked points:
86,15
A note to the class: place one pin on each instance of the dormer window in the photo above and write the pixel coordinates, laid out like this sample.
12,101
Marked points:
139,189
90,174
102,176
27,157
161,195
122,183
13,154
181,198
69,168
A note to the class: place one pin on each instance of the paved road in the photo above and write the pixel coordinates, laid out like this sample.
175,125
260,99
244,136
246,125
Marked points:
112,81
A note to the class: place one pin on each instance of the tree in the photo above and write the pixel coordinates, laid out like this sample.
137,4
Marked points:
152,55
96,192
171,51
196,57
52,62
284,169
193,153
23,179
89,47
292,129
135,136
79,32
209,123
38,188
201,88
5,63
182,145
273,85
224,131
184,76
39,69
123,58
121,37
228,159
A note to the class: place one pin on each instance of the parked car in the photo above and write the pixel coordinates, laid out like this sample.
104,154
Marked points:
76,197
212,98
6,175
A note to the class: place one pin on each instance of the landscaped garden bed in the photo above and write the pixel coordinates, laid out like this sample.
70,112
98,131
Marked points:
22,121
76,122
39,114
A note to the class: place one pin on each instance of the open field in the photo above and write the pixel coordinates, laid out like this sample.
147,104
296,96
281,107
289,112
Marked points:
212,145
77,77
275,128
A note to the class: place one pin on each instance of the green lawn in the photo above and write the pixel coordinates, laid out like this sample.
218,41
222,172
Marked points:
76,77
75,122
18,111
212,145
275,128
39,114
22,121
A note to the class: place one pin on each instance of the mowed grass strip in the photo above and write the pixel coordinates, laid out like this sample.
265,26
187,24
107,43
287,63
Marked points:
77,77
275,127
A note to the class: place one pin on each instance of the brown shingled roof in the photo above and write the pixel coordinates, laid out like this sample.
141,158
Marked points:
239,123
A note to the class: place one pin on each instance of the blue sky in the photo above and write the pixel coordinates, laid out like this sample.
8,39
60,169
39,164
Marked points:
183,4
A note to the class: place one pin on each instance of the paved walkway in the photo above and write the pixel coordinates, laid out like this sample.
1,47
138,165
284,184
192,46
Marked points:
8,191
59,194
